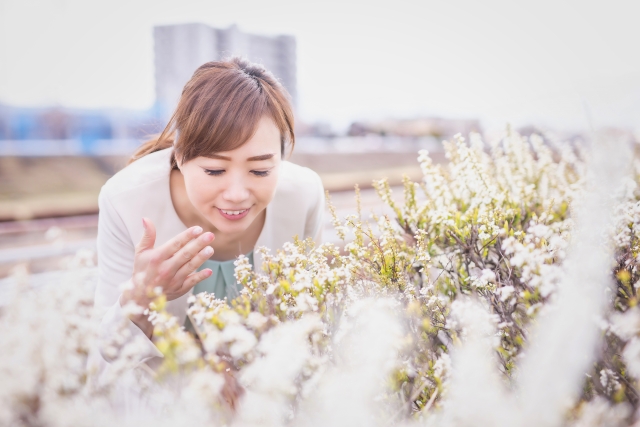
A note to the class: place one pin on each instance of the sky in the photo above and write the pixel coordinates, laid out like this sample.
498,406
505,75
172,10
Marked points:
560,64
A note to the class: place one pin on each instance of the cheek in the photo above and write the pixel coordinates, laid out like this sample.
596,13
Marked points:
266,189
200,189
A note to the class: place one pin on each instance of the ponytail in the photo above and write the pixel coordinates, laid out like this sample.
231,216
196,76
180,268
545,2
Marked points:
156,143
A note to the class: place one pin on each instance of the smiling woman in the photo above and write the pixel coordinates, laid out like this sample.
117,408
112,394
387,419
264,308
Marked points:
213,186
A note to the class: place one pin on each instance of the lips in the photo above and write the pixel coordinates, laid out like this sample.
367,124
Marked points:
233,214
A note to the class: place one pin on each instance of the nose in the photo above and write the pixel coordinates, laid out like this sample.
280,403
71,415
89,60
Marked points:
236,191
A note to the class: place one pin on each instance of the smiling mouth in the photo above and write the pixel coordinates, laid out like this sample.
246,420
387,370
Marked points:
233,213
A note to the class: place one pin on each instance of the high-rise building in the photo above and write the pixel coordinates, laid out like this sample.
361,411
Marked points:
180,49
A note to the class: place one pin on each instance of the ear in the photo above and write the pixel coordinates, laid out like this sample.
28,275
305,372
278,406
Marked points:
176,162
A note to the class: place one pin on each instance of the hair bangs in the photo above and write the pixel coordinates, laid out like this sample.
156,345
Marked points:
222,122
219,110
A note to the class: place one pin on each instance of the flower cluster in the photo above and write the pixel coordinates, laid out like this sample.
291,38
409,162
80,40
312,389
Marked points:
366,328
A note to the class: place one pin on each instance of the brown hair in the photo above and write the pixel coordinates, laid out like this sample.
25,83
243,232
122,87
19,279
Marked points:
219,110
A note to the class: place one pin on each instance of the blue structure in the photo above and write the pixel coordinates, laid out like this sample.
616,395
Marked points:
29,131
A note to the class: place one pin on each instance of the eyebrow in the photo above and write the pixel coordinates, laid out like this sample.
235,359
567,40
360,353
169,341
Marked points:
261,157
250,159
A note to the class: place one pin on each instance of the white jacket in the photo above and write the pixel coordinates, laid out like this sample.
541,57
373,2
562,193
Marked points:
142,190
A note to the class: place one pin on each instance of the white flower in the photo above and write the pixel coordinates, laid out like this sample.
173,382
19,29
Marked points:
626,325
505,292
631,355
255,320
488,275
242,340
306,302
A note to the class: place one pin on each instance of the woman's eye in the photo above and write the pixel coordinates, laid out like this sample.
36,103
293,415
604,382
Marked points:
260,173
214,172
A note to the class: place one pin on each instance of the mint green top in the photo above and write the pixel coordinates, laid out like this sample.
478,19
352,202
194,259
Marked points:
222,282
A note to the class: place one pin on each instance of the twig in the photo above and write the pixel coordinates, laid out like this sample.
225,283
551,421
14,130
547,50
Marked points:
414,395
198,333
430,402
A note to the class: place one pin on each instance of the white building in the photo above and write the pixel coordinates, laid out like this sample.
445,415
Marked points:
180,49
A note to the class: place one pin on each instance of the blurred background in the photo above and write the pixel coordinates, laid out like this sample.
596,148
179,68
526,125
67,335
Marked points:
84,82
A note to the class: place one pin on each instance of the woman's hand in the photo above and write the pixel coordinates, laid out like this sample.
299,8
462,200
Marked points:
171,267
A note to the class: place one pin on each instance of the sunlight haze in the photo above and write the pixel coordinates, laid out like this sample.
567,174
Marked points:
545,63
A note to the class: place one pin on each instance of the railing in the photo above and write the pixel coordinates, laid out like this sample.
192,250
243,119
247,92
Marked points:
68,147
125,147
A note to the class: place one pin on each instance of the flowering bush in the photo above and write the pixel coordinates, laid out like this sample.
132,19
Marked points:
363,332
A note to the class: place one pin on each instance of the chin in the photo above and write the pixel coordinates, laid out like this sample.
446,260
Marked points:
230,228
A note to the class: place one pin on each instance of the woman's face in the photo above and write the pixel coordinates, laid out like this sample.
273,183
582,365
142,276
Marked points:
230,189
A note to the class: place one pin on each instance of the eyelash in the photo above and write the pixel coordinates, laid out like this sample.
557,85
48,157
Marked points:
220,172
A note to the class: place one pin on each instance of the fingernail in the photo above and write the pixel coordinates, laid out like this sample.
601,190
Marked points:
144,223
208,272
208,250
207,237
196,230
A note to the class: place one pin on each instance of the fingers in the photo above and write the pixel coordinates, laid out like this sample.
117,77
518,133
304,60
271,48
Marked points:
191,250
193,279
148,239
167,250
187,267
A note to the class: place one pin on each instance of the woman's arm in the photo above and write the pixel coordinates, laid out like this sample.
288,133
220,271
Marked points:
116,253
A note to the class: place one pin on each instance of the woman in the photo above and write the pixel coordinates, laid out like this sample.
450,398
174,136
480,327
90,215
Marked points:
212,187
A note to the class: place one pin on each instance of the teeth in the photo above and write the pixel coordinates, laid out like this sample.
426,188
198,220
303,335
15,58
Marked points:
232,212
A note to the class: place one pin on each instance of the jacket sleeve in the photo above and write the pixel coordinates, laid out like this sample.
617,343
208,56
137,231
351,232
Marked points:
115,267
315,214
